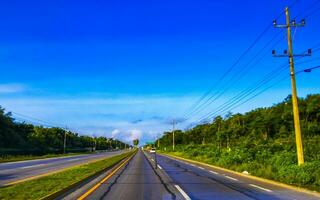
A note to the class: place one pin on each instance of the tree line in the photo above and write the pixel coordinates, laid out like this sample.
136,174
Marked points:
274,123
261,141
24,138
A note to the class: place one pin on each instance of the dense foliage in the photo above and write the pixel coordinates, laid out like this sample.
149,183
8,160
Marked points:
136,142
21,138
261,142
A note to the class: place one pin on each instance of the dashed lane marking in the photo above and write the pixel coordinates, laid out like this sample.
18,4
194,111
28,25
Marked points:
182,192
32,166
213,172
261,188
231,178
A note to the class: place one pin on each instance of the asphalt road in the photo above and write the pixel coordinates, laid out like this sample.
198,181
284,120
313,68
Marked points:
16,171
138,180
200,182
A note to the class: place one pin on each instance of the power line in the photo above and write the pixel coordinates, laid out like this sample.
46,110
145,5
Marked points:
249,90
195,106
238,76
276,83
36,119
306,9
245,93
232,66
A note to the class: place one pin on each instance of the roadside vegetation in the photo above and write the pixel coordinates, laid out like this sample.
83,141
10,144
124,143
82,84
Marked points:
42,187
20,141
261,142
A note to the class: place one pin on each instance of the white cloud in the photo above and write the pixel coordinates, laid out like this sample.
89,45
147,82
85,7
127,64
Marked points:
115,132
12,88
135,134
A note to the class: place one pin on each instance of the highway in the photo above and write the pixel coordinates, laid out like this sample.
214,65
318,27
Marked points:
175,179
201,182
14,172
136,180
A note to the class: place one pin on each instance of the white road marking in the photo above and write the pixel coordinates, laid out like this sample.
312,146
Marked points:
152,159
32,166
192,165
231,178
74,159
159,167
182,192
261,188
214,172
200,167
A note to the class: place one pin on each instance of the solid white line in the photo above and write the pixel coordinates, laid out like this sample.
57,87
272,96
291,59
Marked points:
214,172
231,178
32,166
182,192
192,165
159,167
200,167
261,188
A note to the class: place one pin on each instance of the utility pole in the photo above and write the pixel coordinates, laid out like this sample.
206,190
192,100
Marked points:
65,141
290,54
173,144
95,144
158,143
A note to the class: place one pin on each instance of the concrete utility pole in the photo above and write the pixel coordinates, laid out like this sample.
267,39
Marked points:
64,142
173,123
290,54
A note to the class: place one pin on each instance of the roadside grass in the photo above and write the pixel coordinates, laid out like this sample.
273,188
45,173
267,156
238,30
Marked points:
39,188
306,176
12,158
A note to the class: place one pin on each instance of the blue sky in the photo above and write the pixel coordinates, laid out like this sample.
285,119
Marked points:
125,68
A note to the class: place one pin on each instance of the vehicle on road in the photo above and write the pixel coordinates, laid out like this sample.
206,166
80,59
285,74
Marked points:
152,150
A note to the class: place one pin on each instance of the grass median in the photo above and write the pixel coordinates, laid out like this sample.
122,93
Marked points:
39,188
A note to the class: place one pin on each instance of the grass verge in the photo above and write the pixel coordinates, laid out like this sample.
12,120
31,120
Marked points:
306,176
39,188
32,157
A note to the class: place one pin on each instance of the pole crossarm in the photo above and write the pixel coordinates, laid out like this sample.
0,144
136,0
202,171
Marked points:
289,53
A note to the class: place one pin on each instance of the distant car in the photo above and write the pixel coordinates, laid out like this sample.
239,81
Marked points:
153,150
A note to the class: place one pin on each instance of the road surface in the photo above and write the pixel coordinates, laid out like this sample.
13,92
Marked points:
201,182
16,171
138,180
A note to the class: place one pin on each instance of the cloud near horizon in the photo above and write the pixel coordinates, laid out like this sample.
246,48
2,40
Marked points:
12,88
124,117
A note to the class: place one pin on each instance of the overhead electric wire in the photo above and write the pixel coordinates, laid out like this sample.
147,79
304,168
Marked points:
238,76
278,17
228,105
196,104
276,83
231,68
245,93
23,117
207,93
36,119
306,9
